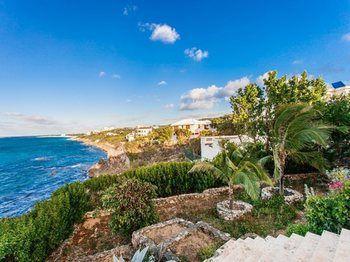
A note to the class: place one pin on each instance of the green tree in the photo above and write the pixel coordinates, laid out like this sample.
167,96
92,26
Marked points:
182,135
254,107
237,169
336,111
162,134
247,106
295,133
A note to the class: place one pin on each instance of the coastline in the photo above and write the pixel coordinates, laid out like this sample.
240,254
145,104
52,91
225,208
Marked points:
106,147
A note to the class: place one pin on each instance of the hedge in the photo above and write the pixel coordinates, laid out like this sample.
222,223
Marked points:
33,236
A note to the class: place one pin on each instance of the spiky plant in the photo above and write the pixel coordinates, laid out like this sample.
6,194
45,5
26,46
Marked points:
237,168
296,131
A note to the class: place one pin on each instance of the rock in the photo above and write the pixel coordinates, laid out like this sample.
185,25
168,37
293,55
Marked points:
240,209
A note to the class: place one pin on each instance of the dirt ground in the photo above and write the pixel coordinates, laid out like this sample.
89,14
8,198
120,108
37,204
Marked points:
189,246
90,237
160,234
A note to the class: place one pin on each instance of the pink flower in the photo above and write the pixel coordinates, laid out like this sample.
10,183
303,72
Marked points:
335,185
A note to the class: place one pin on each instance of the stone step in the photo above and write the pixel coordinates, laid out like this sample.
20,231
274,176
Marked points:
259,245
240,252
289,247
307,247
342,253
274,246
326,248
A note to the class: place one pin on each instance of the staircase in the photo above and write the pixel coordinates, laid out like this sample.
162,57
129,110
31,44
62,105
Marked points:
312,247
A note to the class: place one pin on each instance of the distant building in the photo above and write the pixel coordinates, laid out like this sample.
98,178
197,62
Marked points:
212,145
130,137
143,130
193,125
338,88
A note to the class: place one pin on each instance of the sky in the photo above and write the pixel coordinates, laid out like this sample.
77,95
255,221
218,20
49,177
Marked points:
73,66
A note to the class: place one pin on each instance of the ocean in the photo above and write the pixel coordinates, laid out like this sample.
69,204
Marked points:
31,168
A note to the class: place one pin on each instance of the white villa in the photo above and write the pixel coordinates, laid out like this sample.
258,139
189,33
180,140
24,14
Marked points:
338,88
211,145
194,125
140,131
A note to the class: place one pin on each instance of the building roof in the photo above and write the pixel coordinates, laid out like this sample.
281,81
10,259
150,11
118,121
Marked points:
191,121
338,84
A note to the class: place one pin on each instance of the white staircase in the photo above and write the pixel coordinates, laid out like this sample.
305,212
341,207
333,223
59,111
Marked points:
312,247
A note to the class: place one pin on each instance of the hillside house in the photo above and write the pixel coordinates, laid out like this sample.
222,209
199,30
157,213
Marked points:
193,125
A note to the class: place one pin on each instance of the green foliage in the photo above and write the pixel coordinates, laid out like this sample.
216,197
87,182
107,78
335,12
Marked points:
336,111
296,130
182,135
331,212
33,236
162,134
299,229
208,251
224,125
174,178
247,110
131,205
254,106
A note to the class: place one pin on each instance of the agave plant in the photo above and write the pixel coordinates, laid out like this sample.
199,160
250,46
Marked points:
236,167
296,131
139,256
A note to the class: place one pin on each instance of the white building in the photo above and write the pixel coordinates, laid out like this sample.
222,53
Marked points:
143,130
212,145
338,88
193,125
130,137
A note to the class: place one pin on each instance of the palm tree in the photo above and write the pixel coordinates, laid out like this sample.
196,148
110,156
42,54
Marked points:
237,168
296,130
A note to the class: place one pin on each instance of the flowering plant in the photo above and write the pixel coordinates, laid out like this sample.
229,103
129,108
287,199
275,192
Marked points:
338,176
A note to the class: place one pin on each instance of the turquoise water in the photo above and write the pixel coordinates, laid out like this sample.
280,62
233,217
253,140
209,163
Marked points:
31,168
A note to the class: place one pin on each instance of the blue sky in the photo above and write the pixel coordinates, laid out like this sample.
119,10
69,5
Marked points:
79,65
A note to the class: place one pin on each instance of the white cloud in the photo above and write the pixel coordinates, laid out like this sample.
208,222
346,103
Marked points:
128,9
116,76
205,98
346,37
297,62
162,83
34,119
260,79
128,100
161,32
169,106
102,74
196,54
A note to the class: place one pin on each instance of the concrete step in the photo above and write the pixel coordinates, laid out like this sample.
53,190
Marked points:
240,252
326,248
259,245
306,248
289,247
342,253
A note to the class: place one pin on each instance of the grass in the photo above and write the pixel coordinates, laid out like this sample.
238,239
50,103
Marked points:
267,218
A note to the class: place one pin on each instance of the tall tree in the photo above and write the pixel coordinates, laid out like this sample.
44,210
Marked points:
254,107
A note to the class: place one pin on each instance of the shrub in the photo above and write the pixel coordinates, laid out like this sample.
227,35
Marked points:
300,229
33,236
131,204
331,212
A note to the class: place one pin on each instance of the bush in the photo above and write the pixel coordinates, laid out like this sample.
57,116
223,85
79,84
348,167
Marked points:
330,212
131,204
33,236
300,229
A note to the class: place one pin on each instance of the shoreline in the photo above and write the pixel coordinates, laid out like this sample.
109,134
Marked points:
106,147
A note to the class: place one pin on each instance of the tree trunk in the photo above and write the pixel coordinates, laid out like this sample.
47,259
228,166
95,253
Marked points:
281,167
